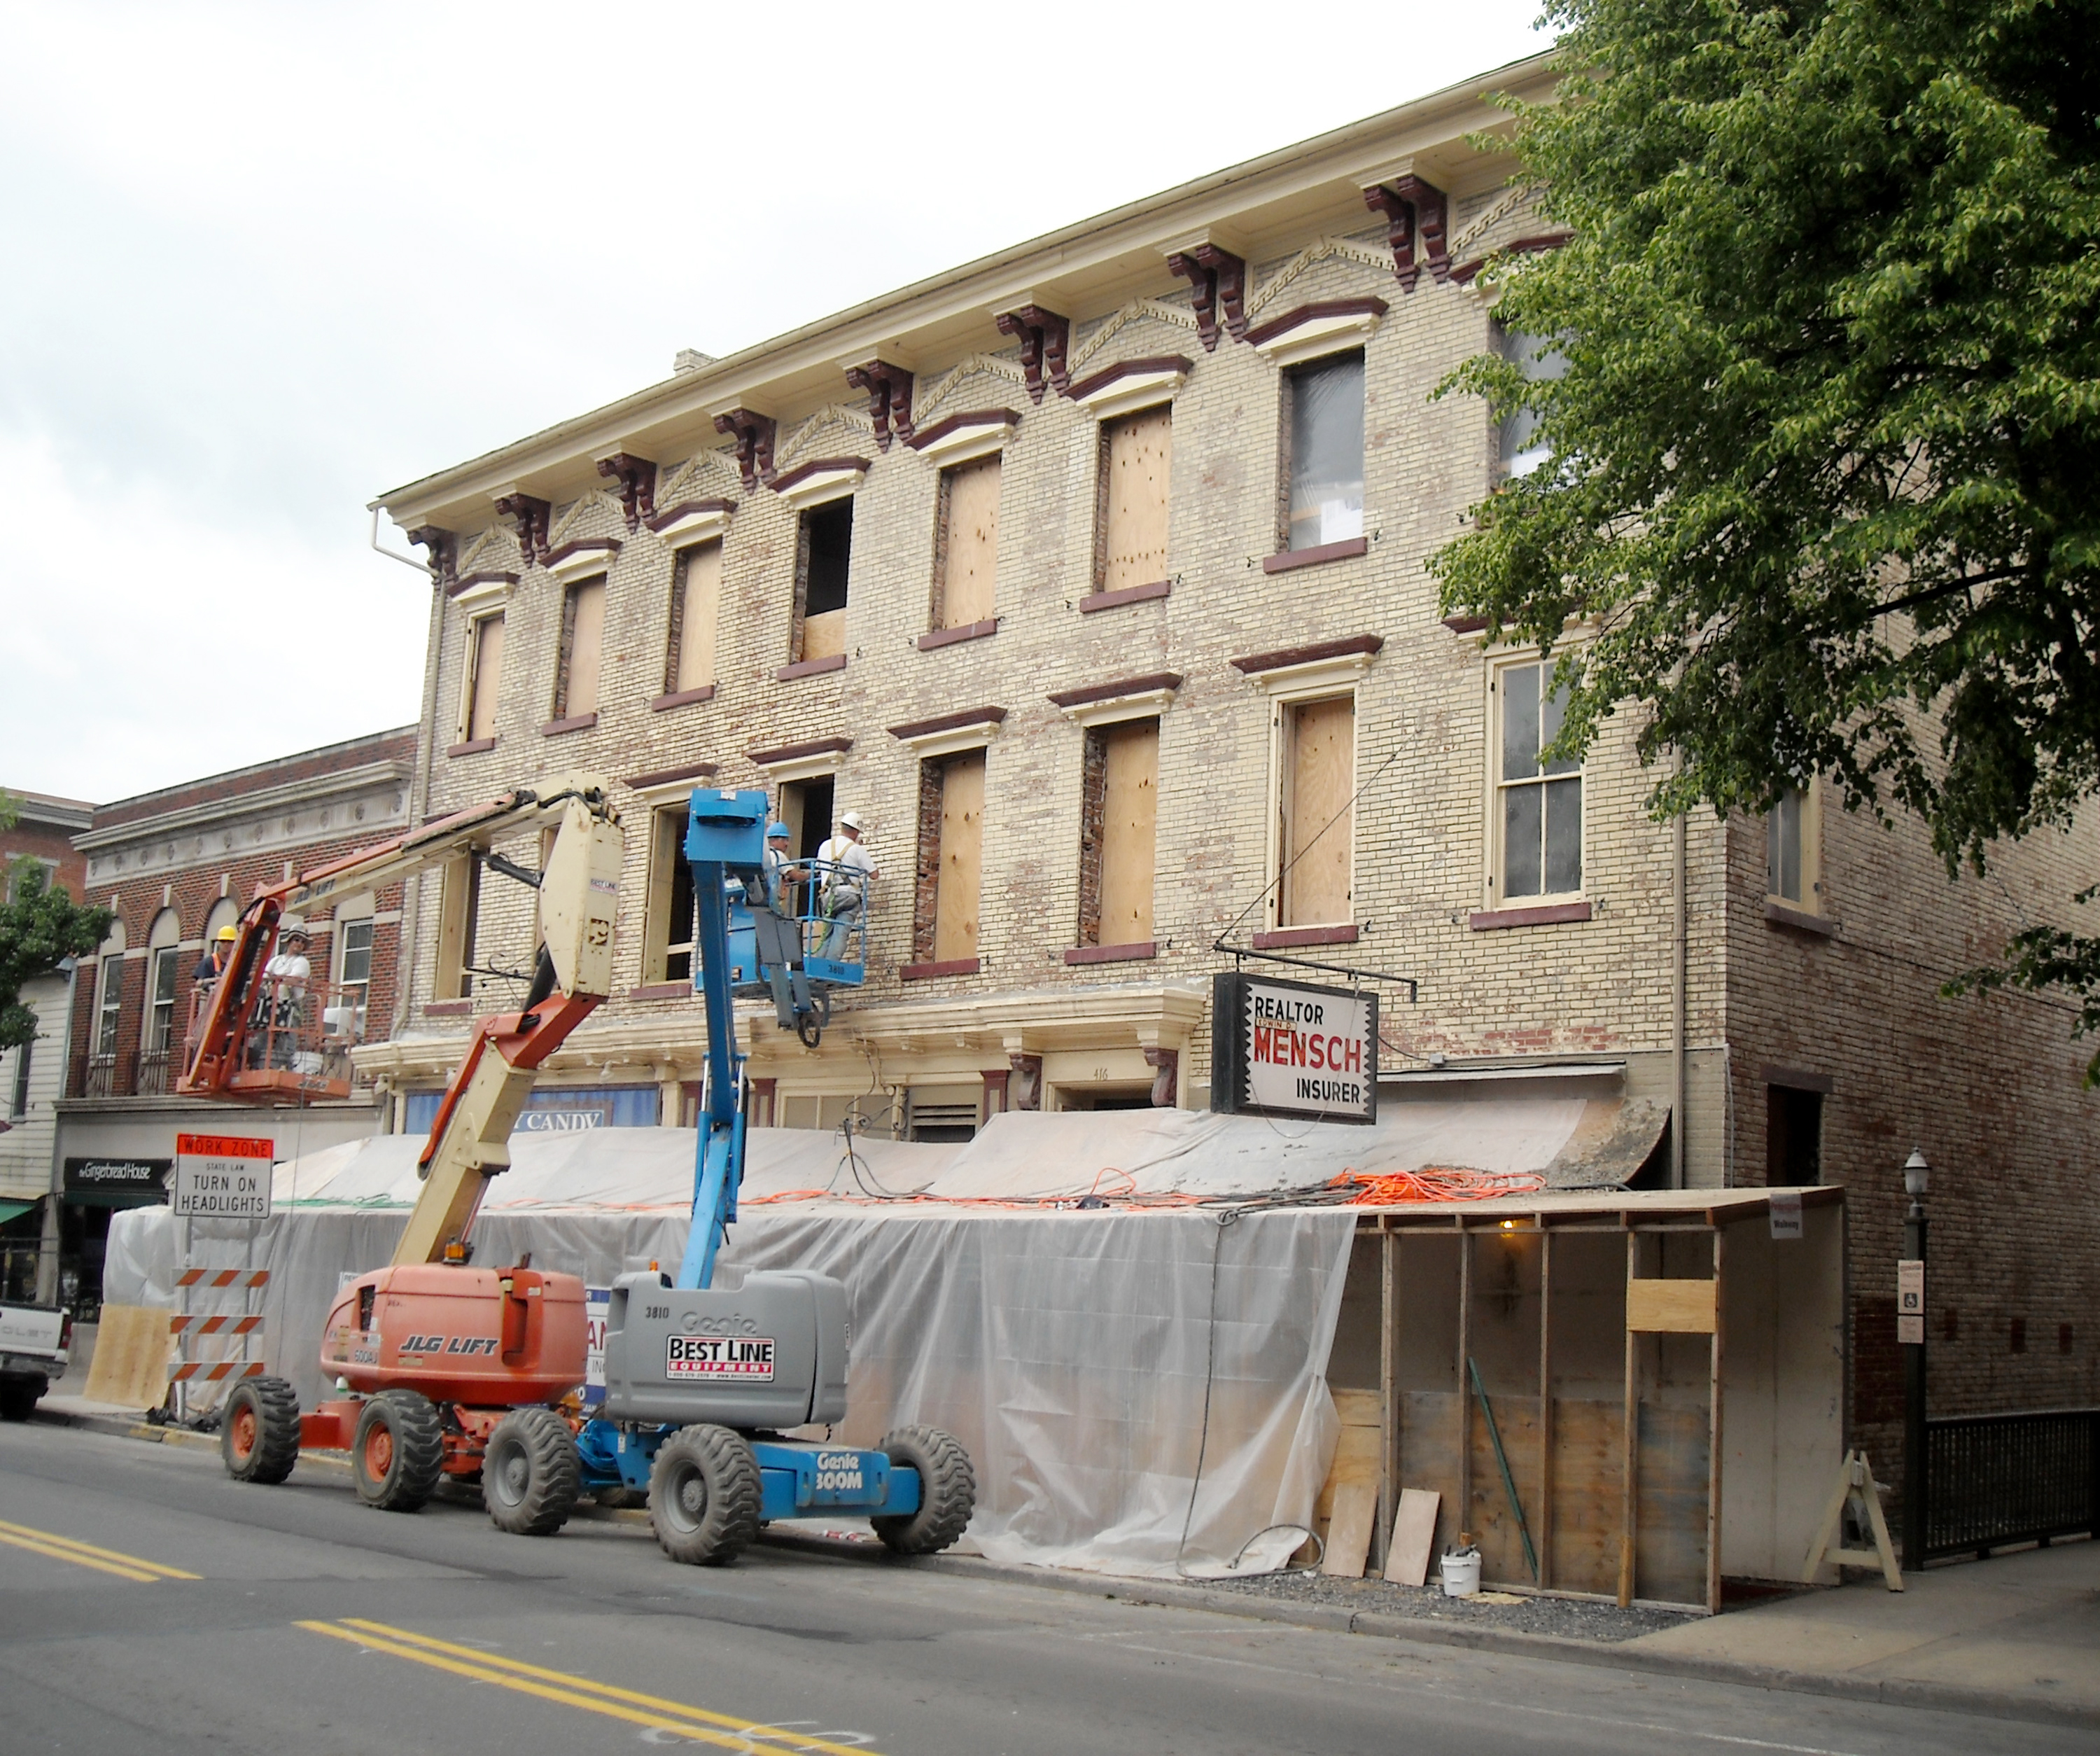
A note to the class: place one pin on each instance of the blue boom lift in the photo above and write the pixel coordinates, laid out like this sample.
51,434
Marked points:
700,1383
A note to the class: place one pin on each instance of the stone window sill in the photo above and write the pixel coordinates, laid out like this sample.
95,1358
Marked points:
1546,914
448,1008
810,667
1780,913
1284,937
682,698
955,966
1112,954
937,638
661,991
575,723
1095,601
472,746
1292,559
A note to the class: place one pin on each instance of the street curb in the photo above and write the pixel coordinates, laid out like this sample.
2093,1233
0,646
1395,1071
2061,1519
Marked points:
1895,1692
1949,1698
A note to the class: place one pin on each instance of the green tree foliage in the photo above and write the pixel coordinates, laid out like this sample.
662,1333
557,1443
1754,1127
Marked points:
1825,456
38,929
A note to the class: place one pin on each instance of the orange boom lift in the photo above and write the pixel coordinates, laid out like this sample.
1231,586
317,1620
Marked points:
445,1368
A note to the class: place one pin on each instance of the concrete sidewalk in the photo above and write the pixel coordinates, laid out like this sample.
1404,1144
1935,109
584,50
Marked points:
2016,1637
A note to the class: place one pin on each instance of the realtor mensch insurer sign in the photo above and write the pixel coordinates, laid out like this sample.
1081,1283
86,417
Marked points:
1290,1048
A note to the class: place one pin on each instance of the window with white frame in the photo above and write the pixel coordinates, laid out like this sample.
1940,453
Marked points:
1793,861
18,1099
1519,449
109,1007
1537,803
1326,452
353,975
28,877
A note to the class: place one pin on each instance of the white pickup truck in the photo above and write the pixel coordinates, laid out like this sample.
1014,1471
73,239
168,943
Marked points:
34,1341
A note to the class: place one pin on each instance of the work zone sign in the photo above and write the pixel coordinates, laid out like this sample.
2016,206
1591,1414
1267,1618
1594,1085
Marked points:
1290,1048
221,1176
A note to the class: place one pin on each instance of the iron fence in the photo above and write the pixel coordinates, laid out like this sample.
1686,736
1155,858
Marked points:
1993,1479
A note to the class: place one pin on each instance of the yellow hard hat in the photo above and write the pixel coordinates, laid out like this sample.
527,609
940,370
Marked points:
227,932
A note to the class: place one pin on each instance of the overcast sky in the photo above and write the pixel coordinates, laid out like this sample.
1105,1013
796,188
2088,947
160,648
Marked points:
264,263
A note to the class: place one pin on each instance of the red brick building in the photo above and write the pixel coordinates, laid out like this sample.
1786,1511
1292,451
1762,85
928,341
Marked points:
175,866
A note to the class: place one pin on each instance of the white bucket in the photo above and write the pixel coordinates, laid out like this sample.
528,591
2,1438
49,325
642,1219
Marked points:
1462,1575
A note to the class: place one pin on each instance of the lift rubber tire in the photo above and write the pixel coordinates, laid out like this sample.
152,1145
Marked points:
19,1396
947,1491
529,1476
259,1433
398,1452
703,1496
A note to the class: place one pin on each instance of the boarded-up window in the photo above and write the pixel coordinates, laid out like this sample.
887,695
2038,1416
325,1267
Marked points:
1327,451
689,659
951,796
582,646
1131,543
1539,804
459,900
484,676
1317,832
966,552
667,952
823,558
1118,816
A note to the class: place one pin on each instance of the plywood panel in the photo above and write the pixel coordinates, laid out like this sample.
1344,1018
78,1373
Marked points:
1679,1307
586,647
488,677
1669,1552
1349,1532
962,855
132,1348
1320,755
1427,1452
1493,1524
700,606
970,547
824,637
1413,1536
1587,1488
1139,455
1129,817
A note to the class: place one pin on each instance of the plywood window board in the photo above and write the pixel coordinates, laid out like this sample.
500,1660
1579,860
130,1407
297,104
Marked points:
962,857
459,897
484,677
583,647
1137,461
1316,838
966,558
1130,809
667,950
689,659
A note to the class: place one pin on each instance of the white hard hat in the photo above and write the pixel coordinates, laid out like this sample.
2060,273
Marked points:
853,820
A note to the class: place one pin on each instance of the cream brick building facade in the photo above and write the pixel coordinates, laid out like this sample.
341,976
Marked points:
1667,967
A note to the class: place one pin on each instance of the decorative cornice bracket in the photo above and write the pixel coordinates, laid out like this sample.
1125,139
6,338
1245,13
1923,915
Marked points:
1045,338
754,434
1416,216
441,547
888,388
534,517
637,477
1217,280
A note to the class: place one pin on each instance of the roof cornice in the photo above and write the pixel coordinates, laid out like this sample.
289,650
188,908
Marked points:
343,780
951,312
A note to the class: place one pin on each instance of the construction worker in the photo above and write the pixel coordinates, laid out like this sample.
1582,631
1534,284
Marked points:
845,868
780,870
212,965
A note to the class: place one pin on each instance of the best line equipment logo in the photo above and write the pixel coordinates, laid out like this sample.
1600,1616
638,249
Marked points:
719,1359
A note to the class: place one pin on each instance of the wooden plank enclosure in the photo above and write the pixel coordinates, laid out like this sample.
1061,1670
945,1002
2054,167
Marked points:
1648,1459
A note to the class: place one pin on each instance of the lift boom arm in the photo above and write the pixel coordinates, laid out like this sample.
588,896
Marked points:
579,895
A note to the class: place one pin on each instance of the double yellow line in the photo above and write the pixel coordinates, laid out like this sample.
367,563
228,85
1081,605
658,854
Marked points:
653,1711
60,1548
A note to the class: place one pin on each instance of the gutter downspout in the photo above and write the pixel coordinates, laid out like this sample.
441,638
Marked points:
419,807
1678,1002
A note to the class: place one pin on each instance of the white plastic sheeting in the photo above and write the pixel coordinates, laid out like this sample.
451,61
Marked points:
1120,1378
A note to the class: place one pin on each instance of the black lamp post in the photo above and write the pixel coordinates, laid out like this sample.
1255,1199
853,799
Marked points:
1910,1332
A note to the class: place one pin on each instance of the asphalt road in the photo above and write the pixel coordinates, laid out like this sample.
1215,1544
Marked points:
148,1603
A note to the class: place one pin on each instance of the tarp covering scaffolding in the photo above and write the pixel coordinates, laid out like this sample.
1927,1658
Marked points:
1141,1385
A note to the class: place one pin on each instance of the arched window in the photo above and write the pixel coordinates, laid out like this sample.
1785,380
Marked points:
109,998
163,966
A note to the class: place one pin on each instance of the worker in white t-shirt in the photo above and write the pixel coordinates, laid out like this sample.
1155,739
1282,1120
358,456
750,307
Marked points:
285,977
844,867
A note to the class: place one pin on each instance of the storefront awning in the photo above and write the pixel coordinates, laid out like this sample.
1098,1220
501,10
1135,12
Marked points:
14,1210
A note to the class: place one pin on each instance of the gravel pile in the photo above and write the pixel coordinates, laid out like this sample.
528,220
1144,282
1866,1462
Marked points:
1570,1617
